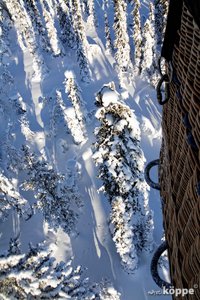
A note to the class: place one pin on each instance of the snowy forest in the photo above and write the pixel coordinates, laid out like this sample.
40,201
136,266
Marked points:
78,123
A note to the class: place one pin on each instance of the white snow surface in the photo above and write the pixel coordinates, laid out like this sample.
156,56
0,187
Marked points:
63,145
109,96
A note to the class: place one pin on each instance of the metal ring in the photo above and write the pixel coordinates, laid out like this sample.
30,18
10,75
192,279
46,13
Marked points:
164,78
154,267
147,176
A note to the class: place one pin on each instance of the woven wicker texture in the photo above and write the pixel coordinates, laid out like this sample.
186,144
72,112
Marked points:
180,160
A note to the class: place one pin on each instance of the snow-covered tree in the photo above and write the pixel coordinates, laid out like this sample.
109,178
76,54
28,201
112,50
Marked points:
66,115
109,43
5,85
81,41
85,8
58,120
27,37
65,20
137,36
10,198
6,79
74,95
106,292
92,19
148,62
161,9
37,275
121,43
39,28
55,198
55,43
83,64
5,20
121,168
78,22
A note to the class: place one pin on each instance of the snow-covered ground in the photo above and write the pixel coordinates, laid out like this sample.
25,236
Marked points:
40,114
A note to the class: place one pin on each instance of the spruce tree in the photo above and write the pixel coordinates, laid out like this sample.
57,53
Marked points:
79,114
92,19
58,119
54,197
27,37
64,14
121,43
148,64
37,275
74,95
161,9
68,114
85,8
137,36
81,41
10,198
121,168
39,27
5,21
7,80
109,43
55,43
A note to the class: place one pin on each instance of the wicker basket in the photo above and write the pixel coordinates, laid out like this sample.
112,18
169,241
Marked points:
180,160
